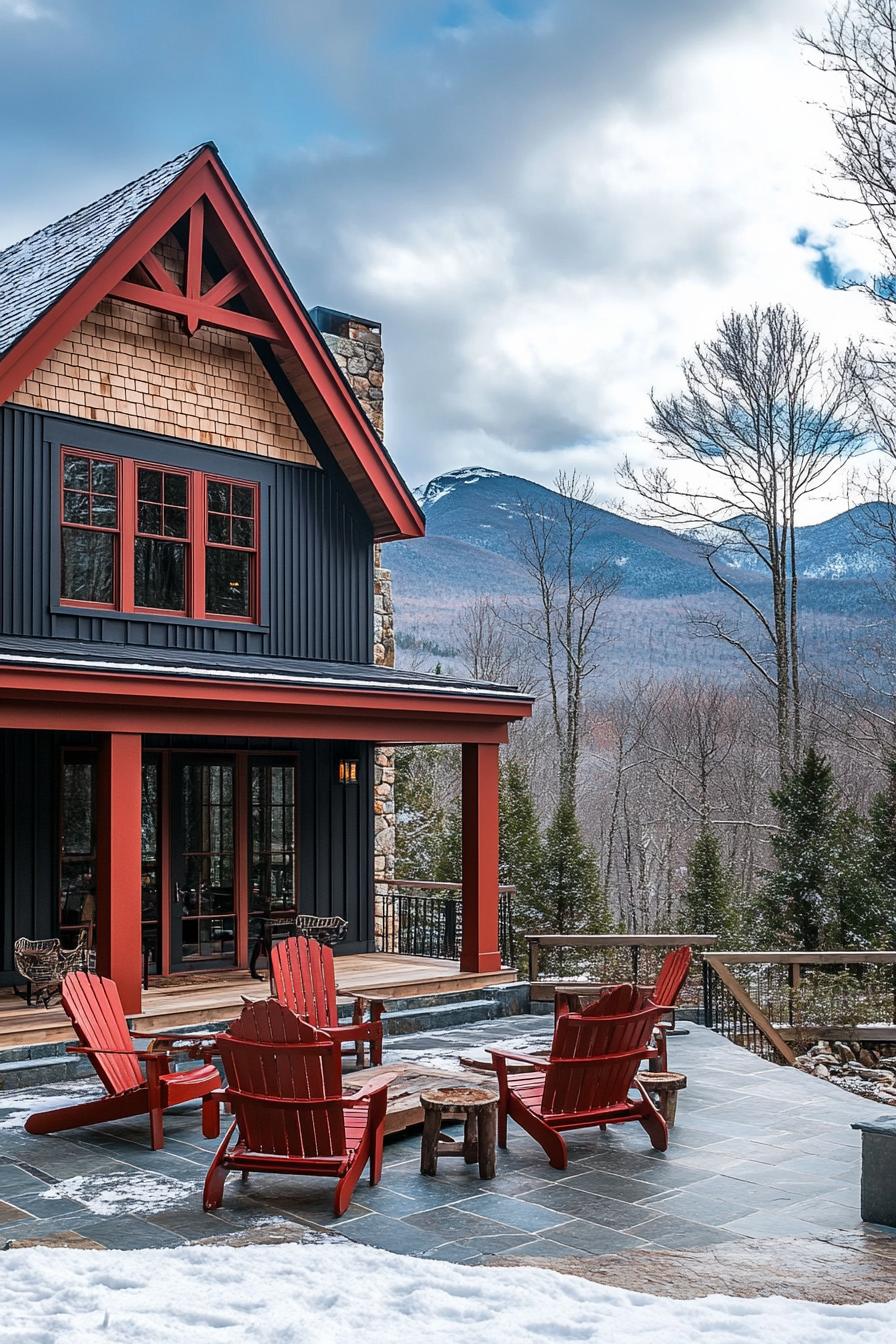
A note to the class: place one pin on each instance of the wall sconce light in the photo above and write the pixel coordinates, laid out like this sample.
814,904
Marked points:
348,772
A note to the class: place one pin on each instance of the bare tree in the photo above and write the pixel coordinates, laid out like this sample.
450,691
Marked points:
489,648
561,626
765,421
858,48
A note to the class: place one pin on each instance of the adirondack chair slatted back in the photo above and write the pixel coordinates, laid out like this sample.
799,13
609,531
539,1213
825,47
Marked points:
595,1054
271,1056
305,979
673,973
93,1004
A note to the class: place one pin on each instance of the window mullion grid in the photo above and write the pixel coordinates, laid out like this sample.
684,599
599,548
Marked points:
127,523
198,542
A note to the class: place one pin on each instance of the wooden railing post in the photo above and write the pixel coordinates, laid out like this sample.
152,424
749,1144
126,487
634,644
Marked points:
534,958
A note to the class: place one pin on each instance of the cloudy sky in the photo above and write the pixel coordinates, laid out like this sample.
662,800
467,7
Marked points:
544,201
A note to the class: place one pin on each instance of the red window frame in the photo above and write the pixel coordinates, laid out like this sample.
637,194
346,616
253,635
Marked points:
252,551
114,532
196,542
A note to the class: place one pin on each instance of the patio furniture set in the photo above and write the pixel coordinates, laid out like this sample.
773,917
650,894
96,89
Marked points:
291,1114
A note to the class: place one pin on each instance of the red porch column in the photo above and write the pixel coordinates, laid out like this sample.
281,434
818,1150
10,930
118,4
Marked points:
119,870
479,827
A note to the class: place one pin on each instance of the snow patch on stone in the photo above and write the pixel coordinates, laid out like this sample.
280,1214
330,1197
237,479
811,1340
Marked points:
122,1192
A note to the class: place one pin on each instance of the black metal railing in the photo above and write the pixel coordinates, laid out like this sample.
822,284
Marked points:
610,958
772,1002
425,919
723,1013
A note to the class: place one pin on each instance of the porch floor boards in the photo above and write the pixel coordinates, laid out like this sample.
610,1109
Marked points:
177,1002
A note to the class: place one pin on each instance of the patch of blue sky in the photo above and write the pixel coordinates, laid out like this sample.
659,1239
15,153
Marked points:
824,266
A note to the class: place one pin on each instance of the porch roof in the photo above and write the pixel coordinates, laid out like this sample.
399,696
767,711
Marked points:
103,688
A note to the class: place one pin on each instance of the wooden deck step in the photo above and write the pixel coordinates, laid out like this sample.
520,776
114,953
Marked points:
179,1002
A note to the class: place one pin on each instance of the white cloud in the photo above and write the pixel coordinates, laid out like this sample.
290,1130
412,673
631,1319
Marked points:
540,260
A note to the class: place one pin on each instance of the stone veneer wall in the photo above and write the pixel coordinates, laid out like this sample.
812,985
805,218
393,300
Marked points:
359,353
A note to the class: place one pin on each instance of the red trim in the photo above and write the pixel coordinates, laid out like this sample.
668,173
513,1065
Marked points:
195,542
196,311
156,272
241,857
164,759
479,847
114,532
391,507
251,551
90,701
120,865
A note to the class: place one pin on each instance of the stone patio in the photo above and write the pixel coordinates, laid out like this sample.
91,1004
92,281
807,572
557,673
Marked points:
758,1152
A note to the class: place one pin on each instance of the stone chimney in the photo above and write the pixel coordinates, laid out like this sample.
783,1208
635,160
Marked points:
356,344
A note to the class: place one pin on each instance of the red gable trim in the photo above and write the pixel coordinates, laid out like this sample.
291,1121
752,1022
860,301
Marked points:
330,401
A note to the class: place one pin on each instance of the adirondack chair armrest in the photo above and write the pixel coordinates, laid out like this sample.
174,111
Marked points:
155,1055
534,1060
371,1089
196,1047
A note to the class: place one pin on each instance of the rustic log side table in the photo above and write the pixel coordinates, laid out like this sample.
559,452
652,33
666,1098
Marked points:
478,1108
665,1087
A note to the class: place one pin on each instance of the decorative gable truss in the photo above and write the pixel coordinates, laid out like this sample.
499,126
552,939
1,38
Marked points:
229,279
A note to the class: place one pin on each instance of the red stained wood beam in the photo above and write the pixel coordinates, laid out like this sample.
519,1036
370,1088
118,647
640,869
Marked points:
157,273
119,865
480,946
196,311
222,698
233,283
195,239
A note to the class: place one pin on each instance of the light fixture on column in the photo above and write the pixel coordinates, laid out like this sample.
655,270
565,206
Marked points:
348,771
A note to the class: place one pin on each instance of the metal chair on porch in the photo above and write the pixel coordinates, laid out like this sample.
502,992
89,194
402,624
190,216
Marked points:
43,963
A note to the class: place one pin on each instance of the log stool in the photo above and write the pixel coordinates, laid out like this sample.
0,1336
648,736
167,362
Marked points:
478,1109
665,1087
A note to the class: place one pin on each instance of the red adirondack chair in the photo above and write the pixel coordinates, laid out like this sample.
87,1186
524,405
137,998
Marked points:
284,1086
664,993
93,1004
587,1079
304,977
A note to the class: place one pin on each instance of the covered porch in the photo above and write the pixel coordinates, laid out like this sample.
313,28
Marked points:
188,1000
220,797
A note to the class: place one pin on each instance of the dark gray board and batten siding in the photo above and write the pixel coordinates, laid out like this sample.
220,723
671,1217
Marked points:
316,557
316,554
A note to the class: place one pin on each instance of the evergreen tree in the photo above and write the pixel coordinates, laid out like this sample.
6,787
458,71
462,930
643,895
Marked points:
521,852
796,899
570,899
855,906
708,902
424,803
448,846
882,819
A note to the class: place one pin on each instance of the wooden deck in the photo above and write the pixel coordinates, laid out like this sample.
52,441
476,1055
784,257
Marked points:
186,1000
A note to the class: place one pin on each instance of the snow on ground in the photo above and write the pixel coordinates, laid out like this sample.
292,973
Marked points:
108,1193
312,1294
15,1107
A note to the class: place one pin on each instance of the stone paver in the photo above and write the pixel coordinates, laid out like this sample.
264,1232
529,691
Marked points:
757,1152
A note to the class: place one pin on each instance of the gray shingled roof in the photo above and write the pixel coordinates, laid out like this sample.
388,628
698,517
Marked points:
37,272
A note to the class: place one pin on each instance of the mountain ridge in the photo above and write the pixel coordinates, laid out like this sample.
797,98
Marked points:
475,528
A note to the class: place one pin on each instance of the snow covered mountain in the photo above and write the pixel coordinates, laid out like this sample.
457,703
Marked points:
475,526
